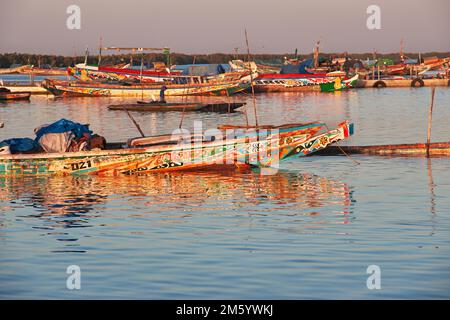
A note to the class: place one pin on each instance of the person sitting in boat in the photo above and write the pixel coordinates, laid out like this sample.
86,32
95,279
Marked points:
161,94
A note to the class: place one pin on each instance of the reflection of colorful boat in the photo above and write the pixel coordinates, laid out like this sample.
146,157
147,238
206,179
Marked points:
80,88
72,194
339,85
261,147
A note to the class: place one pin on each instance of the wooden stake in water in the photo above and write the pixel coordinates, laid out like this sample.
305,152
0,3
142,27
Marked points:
430,119
140,77
100,44
134,121
251,79
186,91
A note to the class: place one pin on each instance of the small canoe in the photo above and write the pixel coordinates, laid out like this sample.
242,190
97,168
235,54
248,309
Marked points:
6,94
157,106
165,107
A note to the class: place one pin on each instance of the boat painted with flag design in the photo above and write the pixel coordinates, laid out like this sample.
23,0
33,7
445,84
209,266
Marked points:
338,85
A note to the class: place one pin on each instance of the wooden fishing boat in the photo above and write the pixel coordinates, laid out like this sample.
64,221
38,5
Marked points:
42,72
84,72
396,69
290,82
263,146
6,94
12,70
172,106
81,88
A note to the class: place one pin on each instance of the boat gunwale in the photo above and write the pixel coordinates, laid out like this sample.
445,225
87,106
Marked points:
94,85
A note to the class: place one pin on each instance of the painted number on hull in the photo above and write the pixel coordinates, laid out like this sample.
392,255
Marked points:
81,165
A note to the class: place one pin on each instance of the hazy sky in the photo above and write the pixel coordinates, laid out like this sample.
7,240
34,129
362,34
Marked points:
208,26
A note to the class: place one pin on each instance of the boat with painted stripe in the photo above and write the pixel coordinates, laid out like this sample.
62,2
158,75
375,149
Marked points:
290,82
263,146
90,88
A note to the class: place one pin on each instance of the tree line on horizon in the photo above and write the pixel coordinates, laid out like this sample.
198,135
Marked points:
8,60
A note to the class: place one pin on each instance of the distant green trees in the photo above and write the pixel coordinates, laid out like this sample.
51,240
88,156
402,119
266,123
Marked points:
8,59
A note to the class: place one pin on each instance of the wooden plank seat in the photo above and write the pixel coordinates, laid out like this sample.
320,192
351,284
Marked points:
164,139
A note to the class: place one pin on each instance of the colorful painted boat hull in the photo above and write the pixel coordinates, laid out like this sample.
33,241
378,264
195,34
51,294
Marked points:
120,74
249,148
77,88
290,82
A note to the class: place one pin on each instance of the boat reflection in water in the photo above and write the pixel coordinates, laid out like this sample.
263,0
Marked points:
87,201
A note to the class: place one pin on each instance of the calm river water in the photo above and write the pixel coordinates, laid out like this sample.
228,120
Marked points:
309,231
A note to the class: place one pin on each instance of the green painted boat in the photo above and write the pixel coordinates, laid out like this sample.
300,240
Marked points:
338,85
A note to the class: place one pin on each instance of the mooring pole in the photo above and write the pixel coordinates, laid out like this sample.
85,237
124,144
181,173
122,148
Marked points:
251,79
430,119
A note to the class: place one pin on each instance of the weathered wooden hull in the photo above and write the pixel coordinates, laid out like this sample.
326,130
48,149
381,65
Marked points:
12,70
415,149
44,72
15,95
253,147
76,88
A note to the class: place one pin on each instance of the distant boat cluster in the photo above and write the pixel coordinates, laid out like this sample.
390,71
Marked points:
317,73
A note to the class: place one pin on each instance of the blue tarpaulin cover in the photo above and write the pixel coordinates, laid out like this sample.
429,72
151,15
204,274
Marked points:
297,68
21,145
203,69
64,125
301,67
